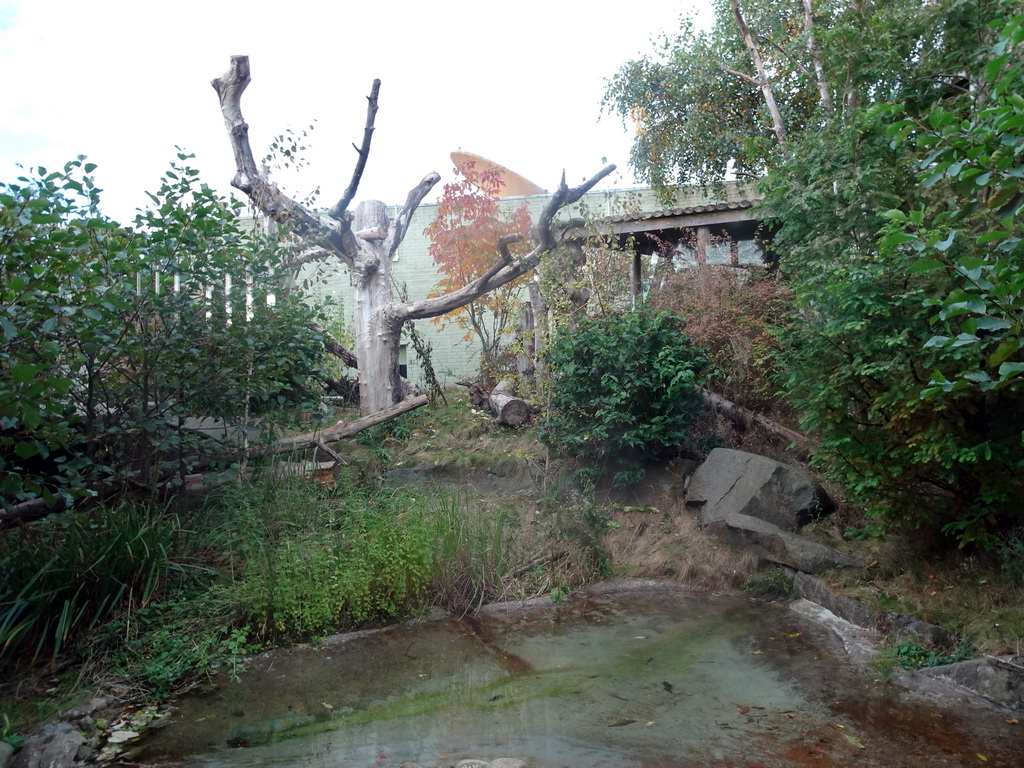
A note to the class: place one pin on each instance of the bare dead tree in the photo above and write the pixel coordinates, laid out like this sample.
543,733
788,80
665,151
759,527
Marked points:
366,242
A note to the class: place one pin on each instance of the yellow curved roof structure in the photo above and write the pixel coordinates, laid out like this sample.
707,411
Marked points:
514,185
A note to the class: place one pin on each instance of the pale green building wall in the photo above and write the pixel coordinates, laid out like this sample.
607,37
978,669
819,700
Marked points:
454,359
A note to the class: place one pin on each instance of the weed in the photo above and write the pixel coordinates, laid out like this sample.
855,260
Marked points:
70,573
772,583
172,644
909,654
9,735
1011,556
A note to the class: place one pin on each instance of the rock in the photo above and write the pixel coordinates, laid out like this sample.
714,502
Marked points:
507,762
54,746
472,764
778,546
6,750
998,681
860,643
77,713
735,482
930,634
814,589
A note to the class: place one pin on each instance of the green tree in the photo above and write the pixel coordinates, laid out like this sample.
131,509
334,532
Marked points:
700,101
112,337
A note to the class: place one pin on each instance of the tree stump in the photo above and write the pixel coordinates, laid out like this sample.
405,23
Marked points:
508,410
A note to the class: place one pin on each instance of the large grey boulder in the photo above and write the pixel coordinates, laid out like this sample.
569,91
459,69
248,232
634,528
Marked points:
998,680
54,746
735,482
772,543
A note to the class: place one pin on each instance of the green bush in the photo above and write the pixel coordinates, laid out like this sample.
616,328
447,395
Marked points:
770,583
111,336
918,448
624,390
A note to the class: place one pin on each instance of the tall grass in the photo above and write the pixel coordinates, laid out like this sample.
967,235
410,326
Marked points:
70,573
474,556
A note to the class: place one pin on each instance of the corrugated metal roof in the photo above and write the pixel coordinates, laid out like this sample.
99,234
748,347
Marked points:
734,205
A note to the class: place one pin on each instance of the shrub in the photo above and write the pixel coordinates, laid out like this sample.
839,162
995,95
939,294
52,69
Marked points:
738,319
624,389
112,337
859,358
311,560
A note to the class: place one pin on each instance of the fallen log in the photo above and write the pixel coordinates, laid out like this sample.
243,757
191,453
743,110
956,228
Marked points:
341,430
737,414
508,409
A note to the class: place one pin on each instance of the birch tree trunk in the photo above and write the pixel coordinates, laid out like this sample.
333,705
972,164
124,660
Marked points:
819,69
762,76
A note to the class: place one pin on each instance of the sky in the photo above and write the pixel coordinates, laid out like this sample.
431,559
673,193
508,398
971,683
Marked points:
126,81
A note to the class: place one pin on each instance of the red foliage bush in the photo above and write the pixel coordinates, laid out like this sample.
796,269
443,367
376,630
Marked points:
738,318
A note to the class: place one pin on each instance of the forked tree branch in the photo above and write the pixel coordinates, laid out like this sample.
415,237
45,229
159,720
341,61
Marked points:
543,238
400,225
248,179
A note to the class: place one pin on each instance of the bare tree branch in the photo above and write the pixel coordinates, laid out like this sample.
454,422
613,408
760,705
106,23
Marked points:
337,211
412,201
318,254
347,429
563,196
785,53
544,241
335,347
248,179
737,73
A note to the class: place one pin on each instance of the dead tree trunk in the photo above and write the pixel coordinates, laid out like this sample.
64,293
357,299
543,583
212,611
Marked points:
739,415
368,250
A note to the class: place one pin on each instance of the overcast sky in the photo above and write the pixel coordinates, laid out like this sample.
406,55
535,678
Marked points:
124,81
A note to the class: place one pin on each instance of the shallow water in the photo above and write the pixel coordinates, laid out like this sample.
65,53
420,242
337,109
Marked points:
648,676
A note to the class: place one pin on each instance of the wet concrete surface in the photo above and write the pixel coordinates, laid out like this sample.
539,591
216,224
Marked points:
621,675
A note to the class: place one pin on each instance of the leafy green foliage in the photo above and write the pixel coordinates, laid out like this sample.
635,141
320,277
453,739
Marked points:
111,337
971,234
170,644
697,105
624,389
313,561
771,583
857,360
694,119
